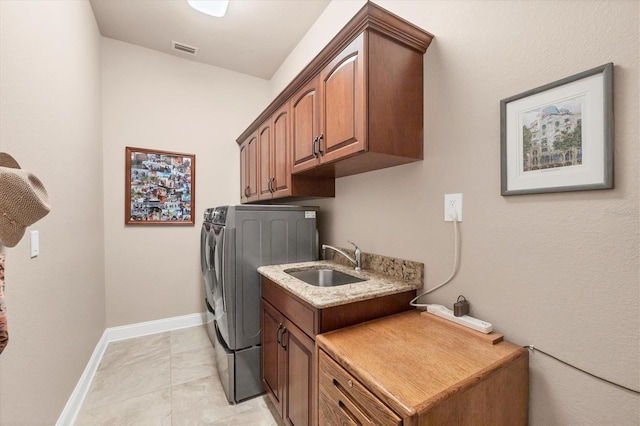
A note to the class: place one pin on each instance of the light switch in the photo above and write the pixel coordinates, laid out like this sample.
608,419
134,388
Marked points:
35,244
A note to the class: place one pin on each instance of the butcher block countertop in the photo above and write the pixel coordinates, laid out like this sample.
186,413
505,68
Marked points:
426,370
388,276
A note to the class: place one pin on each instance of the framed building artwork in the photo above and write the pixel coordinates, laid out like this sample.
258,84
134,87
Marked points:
159,187
559,137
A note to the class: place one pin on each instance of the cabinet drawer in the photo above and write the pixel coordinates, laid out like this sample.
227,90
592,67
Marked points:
344,400
282,300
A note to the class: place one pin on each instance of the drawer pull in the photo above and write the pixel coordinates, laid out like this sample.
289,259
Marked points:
283,338
280,336
348,413
351,399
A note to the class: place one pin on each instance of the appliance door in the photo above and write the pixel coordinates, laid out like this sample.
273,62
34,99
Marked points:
212,243
207,246
210,324
204,234
224,282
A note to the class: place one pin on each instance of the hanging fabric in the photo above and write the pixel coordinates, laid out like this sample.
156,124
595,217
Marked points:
4,328
23,201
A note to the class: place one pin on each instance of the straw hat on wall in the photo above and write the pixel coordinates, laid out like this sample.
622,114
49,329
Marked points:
23,200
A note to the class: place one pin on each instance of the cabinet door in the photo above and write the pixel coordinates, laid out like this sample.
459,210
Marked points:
304,129
249,169
342,112
299,373
273,355
244,164
280,160
265,153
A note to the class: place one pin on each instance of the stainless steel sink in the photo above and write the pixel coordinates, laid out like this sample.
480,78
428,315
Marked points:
324,277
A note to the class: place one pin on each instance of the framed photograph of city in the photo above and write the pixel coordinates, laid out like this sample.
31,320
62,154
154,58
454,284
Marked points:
559,137
159,187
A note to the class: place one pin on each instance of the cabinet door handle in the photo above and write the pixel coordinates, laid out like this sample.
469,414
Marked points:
320,152
246,191
313,147
283,342
272,187
279,335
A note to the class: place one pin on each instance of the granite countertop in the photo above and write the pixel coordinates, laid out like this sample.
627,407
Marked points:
383,276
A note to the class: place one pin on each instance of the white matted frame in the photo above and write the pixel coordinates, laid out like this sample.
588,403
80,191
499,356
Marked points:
559,137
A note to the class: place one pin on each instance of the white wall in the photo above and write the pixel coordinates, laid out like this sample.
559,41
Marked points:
557,271
50,121
328,24
157,101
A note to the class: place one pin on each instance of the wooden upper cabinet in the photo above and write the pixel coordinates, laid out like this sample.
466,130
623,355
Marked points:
357,107
265,150
244,161
305,115
371,107
281,157
249,169
273,147
342,111
328,112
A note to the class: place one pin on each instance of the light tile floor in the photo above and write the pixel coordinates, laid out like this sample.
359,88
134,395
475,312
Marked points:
166,379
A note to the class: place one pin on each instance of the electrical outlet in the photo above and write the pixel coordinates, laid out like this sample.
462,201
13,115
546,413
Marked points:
452,207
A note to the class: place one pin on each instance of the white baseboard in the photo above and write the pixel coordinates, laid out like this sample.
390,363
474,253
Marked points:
152,327
114,334
72,407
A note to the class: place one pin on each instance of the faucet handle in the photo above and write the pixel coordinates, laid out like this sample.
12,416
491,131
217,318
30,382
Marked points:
357,255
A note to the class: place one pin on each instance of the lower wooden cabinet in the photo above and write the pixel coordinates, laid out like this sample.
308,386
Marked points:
273,353
289,360
299,406
287,365
417,369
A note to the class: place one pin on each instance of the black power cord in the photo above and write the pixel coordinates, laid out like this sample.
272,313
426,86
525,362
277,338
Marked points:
533,349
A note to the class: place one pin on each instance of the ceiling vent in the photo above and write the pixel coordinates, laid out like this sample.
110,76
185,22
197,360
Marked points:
181,47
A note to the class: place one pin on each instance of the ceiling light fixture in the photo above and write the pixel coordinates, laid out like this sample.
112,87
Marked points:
215,8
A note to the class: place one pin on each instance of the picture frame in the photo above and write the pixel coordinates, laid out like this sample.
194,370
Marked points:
559,137
159,187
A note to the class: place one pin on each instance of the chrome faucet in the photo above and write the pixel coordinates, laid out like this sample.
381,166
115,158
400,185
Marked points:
357,261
